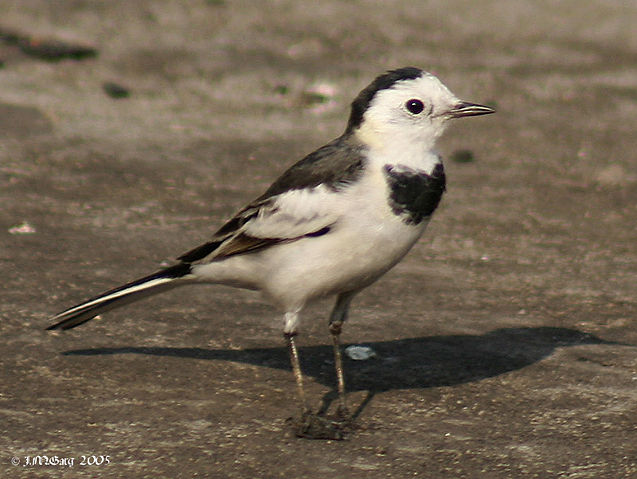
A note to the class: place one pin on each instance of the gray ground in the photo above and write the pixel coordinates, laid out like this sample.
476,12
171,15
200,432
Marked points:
506,340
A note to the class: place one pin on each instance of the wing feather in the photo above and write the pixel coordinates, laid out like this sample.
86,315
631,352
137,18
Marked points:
302,202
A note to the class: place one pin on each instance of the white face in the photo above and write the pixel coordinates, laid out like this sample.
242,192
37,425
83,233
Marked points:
410,111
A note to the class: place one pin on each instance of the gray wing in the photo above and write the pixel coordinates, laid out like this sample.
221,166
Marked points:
300,203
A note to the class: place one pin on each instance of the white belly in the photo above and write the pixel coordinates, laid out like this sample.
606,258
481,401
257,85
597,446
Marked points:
343,260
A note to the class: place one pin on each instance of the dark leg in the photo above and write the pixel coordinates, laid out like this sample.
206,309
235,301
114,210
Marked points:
309,425
335,330
337,318
296,369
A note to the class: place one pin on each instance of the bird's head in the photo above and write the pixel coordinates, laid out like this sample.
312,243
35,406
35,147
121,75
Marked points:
406,105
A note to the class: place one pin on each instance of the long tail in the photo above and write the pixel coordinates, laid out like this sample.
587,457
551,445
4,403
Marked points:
128,293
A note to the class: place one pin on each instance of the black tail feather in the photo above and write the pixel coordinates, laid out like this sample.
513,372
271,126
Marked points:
125,294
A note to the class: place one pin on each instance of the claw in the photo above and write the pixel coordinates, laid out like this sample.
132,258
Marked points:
312,426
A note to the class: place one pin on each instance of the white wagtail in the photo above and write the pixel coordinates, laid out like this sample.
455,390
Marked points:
332,224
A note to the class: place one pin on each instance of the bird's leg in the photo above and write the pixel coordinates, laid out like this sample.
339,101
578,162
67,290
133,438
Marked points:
310,425
289,332
337,318
296,369
335,330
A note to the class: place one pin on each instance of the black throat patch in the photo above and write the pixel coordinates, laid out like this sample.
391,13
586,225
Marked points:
414,195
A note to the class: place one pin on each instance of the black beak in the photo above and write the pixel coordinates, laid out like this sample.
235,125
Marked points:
465,108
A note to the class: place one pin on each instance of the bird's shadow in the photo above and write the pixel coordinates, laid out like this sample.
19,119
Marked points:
423,362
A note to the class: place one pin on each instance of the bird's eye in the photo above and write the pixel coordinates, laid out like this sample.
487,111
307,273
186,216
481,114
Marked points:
415,106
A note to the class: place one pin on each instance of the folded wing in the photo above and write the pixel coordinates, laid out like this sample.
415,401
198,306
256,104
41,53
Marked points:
290,216
301,203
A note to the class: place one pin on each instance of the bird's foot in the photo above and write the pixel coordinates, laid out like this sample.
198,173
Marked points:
314,426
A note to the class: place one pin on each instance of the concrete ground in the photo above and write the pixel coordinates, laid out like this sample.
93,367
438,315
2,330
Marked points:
506,341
